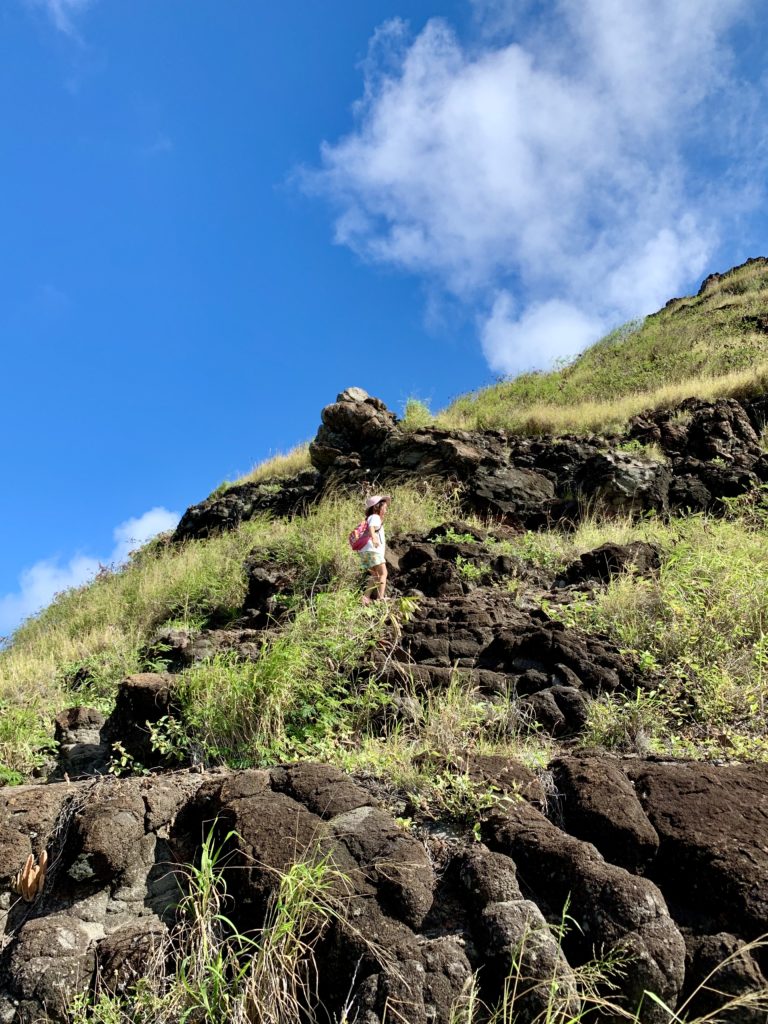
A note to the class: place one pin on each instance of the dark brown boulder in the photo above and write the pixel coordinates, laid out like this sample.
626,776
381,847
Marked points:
618,482
142,700
720,968
107,834
487,876
425,987
81,749
355,422
597,803
28,819
516,939
266,585
241,502
435,578
606,561
505,776
270,831
51,961
393,859
132,952
712,824
323,789
611,908
505,490
722,430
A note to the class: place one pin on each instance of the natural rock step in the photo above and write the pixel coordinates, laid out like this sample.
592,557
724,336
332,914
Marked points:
483,638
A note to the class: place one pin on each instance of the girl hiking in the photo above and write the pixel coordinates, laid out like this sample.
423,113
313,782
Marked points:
372,553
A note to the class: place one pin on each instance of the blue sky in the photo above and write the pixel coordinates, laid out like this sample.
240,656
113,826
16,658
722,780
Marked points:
214,216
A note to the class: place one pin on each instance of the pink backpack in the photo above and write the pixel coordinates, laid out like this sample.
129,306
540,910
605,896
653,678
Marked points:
360,536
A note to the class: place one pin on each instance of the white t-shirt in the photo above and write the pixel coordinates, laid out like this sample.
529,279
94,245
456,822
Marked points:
376,526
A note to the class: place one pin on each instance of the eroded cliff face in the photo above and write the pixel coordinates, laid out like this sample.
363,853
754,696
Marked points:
662,863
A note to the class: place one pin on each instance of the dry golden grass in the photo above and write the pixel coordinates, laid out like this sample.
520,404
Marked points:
707,345
279,466
606,416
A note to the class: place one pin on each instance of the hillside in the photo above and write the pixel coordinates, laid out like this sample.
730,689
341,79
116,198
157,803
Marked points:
530,787
709,345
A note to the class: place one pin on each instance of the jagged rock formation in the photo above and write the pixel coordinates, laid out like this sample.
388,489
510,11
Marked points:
502,651
712,452
633,846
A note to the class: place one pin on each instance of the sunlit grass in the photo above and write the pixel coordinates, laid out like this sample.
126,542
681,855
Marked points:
99,630
705,346
279,466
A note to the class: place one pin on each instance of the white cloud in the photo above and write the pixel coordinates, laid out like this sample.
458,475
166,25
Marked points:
42,581
63,12
553,166
134,532
544,332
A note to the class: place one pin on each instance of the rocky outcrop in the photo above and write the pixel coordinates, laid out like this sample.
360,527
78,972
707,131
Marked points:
608,560
355,422
598,803
500,650
613,909
713,854
241,502
711,452
404,933
142,701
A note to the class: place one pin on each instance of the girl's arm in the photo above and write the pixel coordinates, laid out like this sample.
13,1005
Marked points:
374,525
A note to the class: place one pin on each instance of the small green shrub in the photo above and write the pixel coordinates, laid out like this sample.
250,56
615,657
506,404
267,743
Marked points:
631,723
469,571
450,536
416,415
296,698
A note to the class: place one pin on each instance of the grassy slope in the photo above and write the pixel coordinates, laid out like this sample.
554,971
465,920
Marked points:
700,627
704,345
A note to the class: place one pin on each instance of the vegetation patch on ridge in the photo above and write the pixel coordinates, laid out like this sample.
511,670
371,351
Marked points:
709,345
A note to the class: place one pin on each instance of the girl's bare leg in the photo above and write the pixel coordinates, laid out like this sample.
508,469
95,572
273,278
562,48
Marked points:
372,586
378,584
379,581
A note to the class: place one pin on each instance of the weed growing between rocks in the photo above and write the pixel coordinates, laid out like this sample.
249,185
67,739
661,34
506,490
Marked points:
218,974
420,750
588,994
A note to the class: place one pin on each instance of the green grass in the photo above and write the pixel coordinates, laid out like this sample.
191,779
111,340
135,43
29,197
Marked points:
219,974
701,346
699,627
416,415
296,699
78,649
